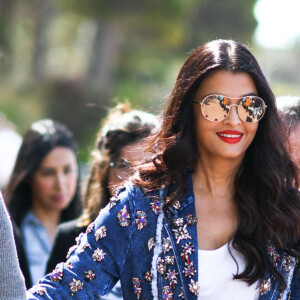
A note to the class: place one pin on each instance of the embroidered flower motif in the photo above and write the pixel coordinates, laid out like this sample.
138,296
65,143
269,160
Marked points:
181,233
177,222
169,260
90,228
265,286
89,275
194,287
191,220
171,275
151,243
37,289
57,273
83,247
124,217
100,233
137,287
167,293
71,250
181,295
176,204
274,254
167,245
161,267
140,219
155,206
75,286
189,269
187,249
98,255
113,201
286,263
68,265
148,276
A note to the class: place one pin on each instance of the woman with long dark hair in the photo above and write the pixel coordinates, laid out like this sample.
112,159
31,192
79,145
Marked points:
42,192
216,213
119,146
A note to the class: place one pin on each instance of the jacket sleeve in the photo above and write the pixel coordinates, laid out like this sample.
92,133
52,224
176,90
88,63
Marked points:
12,285
95,264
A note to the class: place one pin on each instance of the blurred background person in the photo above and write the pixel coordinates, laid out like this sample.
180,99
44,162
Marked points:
42,192
12,284
289,107
119,146
10,142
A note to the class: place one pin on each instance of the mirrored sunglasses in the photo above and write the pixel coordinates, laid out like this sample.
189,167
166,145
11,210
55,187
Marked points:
216,108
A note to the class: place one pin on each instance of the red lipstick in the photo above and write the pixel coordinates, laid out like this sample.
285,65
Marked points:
230,136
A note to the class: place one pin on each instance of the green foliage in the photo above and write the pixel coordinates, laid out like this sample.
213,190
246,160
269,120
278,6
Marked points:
153,38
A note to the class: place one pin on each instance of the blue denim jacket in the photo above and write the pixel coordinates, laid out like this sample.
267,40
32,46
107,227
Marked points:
154,258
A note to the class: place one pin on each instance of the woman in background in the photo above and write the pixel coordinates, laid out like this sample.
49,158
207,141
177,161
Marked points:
43,191
119,145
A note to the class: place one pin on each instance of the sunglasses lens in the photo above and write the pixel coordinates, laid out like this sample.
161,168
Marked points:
251,109
215,108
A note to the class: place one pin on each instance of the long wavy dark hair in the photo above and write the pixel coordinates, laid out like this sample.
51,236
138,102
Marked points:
266,186
122,126
38,141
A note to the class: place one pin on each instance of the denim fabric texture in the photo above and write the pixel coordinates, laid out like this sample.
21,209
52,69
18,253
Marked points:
150,253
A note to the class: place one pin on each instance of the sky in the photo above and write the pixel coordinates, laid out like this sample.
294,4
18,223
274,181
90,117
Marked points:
278,23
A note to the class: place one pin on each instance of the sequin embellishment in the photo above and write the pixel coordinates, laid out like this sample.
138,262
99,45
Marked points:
137,287
75,286
151,243
100,233
37,289
189,269
57,273
191,220
167,293
265,286
177,222
171,275
181,233
167,245
155,206
90,228
169,260
148,276
161,267
89,275
124,217
181,295
274,255
194,287
98,255
187,249
140,219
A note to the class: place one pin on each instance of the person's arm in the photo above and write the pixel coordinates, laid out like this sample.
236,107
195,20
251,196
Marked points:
12,285
96,263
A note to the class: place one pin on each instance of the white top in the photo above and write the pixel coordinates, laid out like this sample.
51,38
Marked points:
215,276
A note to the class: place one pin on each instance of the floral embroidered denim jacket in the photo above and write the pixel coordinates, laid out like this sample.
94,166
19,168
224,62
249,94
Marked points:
153,256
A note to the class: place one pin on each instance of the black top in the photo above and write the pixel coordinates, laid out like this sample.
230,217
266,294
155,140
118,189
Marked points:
64,240
24,266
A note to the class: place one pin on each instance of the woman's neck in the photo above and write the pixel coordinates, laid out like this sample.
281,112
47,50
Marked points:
216,177
48,217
